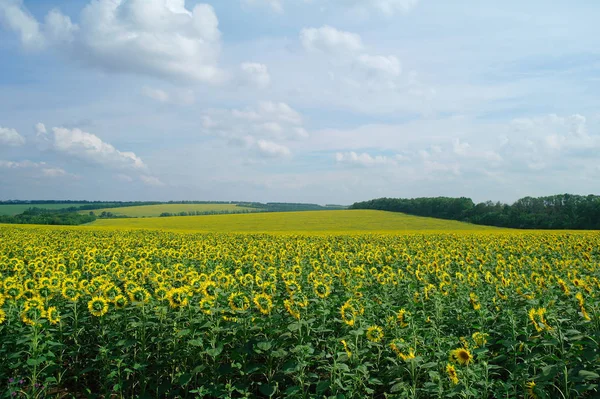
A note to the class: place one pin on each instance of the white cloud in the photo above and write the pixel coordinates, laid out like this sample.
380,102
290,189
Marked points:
16,18
379,64
20,164
10,137
330,40
54,172
36,169
91,148
256,74
151,181
160,38
40,129
272,150
363,159
266,129
267,119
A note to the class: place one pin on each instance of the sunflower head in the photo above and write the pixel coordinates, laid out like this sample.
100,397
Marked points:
461,356
52,315
452,375
120,301
263,303
98,306
375,333
178,297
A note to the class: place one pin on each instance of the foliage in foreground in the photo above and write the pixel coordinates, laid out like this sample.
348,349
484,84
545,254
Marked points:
156,314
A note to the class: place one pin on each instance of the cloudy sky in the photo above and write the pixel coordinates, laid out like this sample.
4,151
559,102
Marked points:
324,101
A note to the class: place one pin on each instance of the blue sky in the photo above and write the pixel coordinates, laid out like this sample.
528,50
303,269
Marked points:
326,101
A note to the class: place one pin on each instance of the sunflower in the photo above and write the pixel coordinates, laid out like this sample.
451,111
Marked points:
322,290
480,338
530,390
120,301
139,295
292,308
346,348
452,375
31,315
14,292
2,316
402,318
264,303
474,299
111,291
349,312
409,356
209,289
461,356
374,333
178,297
538,320
71,293
35,302
238,302
98,306
206,305
52,315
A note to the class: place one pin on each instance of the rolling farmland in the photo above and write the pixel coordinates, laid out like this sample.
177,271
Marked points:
344,221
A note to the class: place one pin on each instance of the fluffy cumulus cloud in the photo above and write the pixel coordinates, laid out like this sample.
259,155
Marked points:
15,17
10,137
266,128
91,148
160,38
330,40
356,68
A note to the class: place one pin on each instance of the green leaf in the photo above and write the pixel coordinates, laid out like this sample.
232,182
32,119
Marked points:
588,375
214,352
264,346
322,386
184,379
267,389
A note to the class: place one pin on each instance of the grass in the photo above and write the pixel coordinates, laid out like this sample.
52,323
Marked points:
156,210
15,209
344,221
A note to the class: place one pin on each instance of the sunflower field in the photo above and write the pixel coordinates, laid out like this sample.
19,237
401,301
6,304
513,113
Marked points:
88,312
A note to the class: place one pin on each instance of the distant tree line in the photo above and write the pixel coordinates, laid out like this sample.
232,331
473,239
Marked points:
47,216
563,211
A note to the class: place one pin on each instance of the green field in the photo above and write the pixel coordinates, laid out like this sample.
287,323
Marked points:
344,221
157,210
15,209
